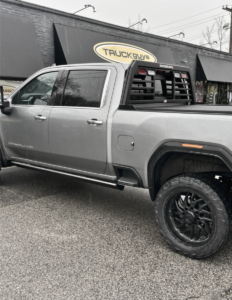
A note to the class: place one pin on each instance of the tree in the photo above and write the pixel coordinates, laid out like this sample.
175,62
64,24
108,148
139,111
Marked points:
208,36
222,28
140,26
216,33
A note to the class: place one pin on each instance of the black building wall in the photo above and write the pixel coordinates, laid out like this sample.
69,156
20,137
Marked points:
44,18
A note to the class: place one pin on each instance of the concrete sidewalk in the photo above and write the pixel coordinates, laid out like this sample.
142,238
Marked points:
61,238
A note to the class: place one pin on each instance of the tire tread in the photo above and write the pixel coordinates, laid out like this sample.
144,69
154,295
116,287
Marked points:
220,198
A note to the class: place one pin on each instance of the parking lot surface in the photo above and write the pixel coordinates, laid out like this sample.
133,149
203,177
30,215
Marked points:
61,238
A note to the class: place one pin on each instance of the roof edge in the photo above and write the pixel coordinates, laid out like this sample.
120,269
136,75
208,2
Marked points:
101,23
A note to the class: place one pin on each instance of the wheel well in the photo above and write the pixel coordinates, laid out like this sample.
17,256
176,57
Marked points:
4,163
172,164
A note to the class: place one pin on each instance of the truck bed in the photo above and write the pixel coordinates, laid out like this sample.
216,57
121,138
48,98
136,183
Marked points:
195,108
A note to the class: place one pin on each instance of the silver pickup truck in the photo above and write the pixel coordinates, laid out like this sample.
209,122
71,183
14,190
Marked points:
134,125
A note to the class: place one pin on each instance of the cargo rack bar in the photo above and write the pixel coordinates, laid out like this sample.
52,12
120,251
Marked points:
141,88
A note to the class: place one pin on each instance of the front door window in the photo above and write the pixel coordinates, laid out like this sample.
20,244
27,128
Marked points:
38,91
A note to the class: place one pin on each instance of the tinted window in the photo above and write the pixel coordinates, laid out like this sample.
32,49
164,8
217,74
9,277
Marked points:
15,99
84,88
39,90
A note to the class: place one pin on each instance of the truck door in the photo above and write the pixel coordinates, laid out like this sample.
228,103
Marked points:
25,130
78,124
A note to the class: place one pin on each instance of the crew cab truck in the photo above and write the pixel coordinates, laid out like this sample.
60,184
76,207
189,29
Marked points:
134,125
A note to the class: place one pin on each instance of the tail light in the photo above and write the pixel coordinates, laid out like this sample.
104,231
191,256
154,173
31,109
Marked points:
142,72
185,76
151,72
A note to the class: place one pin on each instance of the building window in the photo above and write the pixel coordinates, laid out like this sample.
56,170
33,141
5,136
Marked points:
38,91
199,91
214,93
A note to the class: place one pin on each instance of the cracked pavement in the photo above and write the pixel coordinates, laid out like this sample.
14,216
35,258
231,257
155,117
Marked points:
62,238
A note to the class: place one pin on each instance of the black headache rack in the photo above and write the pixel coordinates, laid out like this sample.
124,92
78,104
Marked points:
151,83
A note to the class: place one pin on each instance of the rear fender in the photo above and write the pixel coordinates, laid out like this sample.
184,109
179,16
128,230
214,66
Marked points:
221,155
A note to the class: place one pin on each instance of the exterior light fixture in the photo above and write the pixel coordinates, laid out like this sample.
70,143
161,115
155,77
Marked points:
214,42
151,72
142,72
86,6
177,75
180,33
140,22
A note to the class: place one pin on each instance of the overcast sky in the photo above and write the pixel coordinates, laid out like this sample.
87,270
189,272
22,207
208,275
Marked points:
157,13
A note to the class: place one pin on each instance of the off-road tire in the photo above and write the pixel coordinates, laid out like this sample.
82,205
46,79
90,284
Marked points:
213,196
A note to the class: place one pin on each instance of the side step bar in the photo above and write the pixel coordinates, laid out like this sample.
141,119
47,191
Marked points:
113,185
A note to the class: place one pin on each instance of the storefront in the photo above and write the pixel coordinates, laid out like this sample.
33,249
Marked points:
74,45
20,56
33,37
213,81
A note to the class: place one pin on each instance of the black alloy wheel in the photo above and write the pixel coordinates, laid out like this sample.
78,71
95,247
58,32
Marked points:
192,215
190,218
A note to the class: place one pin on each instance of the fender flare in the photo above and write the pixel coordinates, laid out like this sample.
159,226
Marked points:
212,150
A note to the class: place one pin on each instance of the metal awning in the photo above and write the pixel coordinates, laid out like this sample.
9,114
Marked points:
19,52
213,69
75,45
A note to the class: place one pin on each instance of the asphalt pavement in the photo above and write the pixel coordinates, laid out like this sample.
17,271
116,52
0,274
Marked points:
61,238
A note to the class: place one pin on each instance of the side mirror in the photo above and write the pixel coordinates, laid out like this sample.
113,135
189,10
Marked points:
4,105
1,96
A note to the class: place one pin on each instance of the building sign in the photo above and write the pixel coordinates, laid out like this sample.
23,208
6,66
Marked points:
76,46
117,52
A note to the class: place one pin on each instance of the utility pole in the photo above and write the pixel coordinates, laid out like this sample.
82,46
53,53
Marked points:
230,10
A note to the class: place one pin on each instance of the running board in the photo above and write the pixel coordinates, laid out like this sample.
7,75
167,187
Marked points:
114,185
125,181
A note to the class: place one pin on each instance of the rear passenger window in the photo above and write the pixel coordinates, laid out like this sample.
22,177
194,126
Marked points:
84,88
